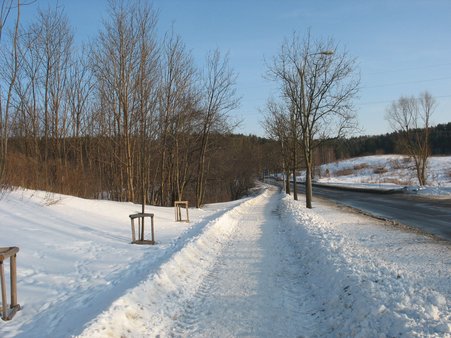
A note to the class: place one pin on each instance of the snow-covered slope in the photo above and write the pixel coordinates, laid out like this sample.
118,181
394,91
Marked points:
263,266
388,171
75,256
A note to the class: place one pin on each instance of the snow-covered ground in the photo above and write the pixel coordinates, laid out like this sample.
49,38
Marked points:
388,172
75,256
259,267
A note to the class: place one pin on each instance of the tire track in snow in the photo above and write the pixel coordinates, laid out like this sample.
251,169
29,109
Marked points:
194,309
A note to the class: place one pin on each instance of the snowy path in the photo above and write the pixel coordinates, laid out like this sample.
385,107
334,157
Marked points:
252,289
250,284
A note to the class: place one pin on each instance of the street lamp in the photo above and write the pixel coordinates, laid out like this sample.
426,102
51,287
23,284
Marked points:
323,52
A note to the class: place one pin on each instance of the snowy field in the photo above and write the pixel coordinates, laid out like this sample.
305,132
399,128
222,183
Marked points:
259,267
388,171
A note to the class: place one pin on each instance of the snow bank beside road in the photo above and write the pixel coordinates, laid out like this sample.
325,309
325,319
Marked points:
359,286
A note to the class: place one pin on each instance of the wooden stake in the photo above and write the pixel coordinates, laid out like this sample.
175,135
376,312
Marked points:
2,273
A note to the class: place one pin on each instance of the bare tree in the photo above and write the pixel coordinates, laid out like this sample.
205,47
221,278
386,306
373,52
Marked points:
10,60
56,48
79,95
124,66
177,101
28,113
146,92
318,82
275,124
411,117
219,98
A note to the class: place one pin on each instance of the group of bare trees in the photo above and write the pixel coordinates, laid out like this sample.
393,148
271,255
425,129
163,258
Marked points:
8,56
129,116
317,85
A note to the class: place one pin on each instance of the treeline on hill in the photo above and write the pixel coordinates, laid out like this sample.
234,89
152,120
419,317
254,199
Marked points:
86,167
338,149
439,141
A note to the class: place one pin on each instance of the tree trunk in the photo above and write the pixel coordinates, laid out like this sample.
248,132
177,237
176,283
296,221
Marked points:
287,181
308,179
295,191
200,184
200,181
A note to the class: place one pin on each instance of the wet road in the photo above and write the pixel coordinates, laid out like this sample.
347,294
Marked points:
432,216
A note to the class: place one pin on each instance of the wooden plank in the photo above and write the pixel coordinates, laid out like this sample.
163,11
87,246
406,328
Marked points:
133,229
152,232
13,281
6,252
133,216
3,282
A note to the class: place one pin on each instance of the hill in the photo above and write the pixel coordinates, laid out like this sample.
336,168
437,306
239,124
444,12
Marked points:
391,170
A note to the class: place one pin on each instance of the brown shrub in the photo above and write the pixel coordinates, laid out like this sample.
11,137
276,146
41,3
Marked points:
396,164
380,170
344,172
360,166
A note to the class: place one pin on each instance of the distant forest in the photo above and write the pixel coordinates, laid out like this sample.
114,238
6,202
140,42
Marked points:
335,150
440,143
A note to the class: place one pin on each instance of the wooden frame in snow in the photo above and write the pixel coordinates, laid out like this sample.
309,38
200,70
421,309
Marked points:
9,252
141,240
178,211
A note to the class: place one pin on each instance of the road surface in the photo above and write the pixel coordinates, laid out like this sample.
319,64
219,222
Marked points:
432,216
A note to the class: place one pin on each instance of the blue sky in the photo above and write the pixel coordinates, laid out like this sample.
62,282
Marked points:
402,47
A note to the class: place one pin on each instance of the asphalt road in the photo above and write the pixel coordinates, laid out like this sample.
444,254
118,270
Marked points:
432,216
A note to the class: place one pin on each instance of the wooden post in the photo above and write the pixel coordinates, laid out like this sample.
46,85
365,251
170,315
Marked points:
2,273
14,307
178,211
142,228
152,230
13,276
133,229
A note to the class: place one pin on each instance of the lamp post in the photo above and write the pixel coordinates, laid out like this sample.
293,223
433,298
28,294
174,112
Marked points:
325,52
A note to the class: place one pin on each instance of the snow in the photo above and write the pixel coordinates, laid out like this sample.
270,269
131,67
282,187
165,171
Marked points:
262,266
375,280
75,256
388,172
